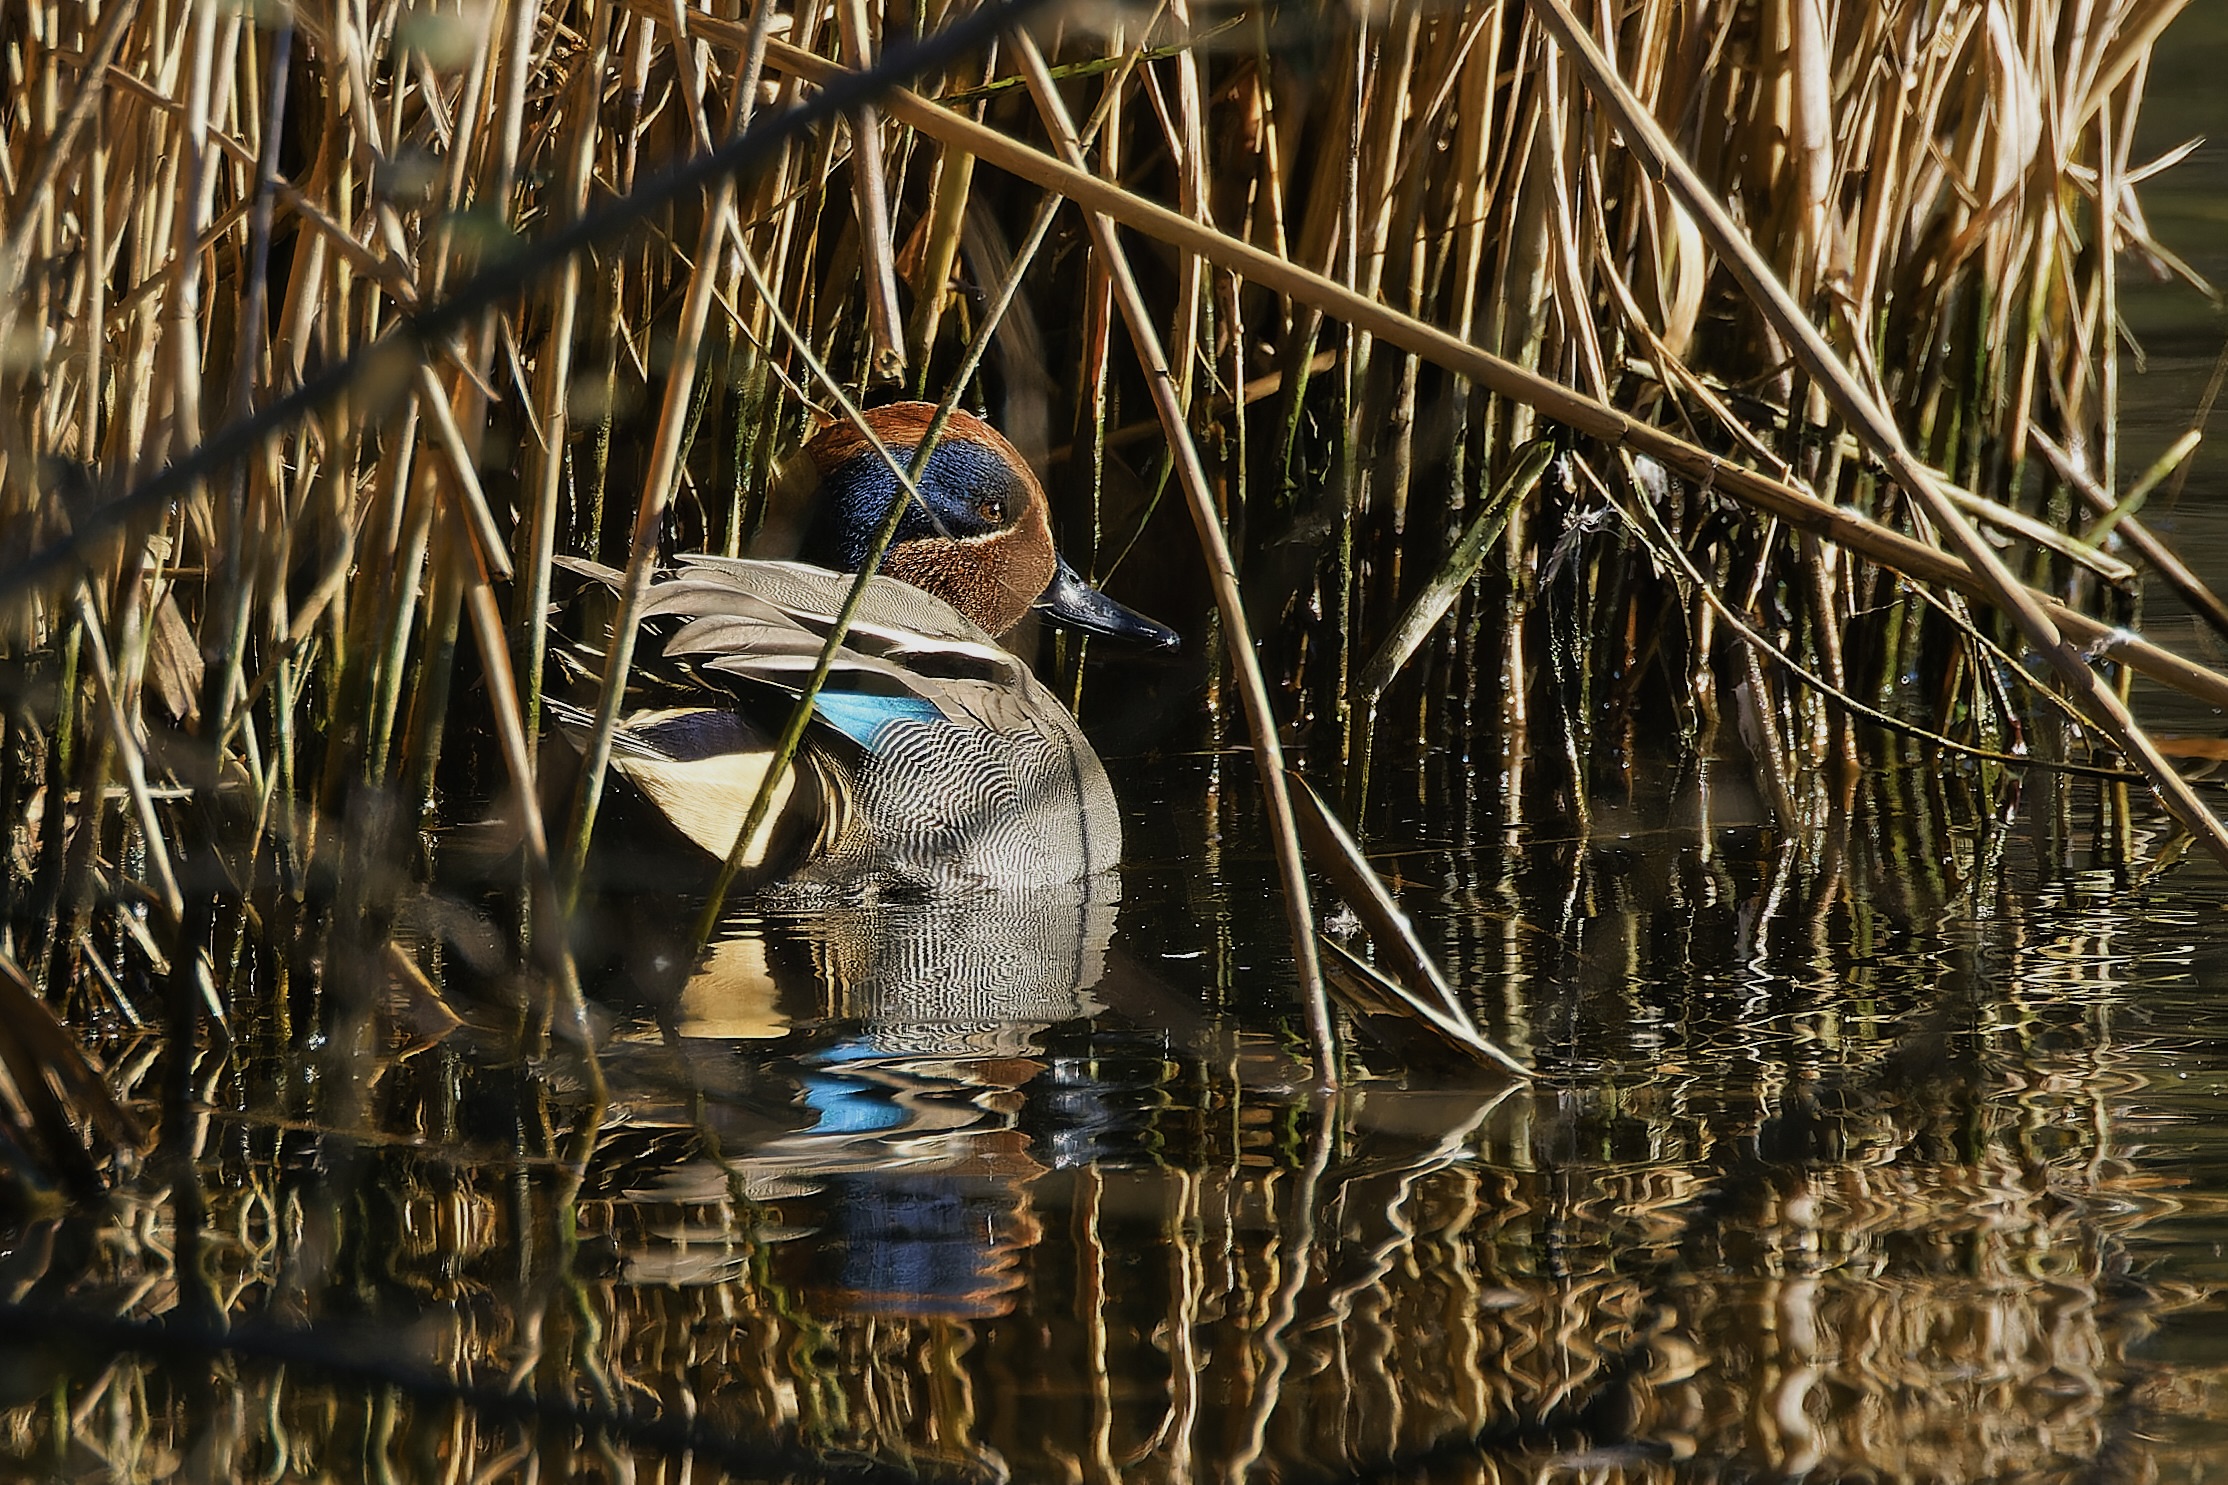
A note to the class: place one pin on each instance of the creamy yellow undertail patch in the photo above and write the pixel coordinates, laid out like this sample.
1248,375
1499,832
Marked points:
707,798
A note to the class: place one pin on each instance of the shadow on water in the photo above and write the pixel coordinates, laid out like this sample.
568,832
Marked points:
1820,1178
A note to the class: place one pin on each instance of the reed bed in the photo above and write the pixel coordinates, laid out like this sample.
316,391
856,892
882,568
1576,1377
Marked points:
327,329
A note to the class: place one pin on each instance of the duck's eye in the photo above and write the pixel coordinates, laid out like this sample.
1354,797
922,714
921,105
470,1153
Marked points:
992,510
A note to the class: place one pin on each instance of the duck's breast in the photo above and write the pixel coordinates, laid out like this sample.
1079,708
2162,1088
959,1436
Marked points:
1000,791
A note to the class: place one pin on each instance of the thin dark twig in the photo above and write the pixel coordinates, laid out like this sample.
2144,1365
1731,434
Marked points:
418,332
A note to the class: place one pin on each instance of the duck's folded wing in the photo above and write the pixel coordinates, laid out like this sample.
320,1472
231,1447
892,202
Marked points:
780,655
738,639
701,767
813,594
920,638
907,657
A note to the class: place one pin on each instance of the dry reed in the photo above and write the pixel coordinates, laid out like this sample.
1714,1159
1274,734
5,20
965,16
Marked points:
239,680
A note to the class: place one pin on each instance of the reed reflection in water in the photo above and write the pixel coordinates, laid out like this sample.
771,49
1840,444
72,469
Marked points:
1819,1180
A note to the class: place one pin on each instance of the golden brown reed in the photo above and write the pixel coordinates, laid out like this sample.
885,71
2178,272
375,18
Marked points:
233,715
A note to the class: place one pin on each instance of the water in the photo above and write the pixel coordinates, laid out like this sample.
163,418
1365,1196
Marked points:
1837,1166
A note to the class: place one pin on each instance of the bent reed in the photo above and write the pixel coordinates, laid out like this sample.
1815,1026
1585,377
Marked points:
1506,448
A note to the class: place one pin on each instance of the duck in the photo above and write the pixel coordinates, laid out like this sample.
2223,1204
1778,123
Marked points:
934,761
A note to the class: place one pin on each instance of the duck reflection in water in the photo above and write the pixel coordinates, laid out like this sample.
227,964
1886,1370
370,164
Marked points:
880,1085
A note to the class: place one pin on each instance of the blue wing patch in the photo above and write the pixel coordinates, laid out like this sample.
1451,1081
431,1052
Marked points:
861,717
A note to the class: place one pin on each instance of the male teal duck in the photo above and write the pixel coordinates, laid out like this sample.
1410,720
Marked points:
934,761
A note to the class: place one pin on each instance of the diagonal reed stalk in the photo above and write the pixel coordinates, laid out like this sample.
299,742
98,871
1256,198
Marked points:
1222,573
1880,433
1778,498
299,291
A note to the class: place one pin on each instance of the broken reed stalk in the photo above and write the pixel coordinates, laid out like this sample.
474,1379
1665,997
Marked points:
1421,993
2156,555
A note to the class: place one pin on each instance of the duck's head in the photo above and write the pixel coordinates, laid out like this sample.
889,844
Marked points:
980,538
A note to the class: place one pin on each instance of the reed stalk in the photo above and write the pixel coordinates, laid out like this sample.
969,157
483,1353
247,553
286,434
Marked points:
323,337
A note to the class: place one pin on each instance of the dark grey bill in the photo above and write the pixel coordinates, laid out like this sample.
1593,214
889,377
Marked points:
1071,601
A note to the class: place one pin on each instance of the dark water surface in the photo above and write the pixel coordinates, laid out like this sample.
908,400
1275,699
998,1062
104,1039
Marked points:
1897,1152
1890,1156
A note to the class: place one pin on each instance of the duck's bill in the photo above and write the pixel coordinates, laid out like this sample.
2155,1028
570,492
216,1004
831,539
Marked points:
1073,602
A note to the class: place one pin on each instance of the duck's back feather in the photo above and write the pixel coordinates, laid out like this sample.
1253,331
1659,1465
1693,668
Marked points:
941,761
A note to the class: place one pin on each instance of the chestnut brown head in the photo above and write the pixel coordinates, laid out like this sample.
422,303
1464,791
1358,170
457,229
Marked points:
979,537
